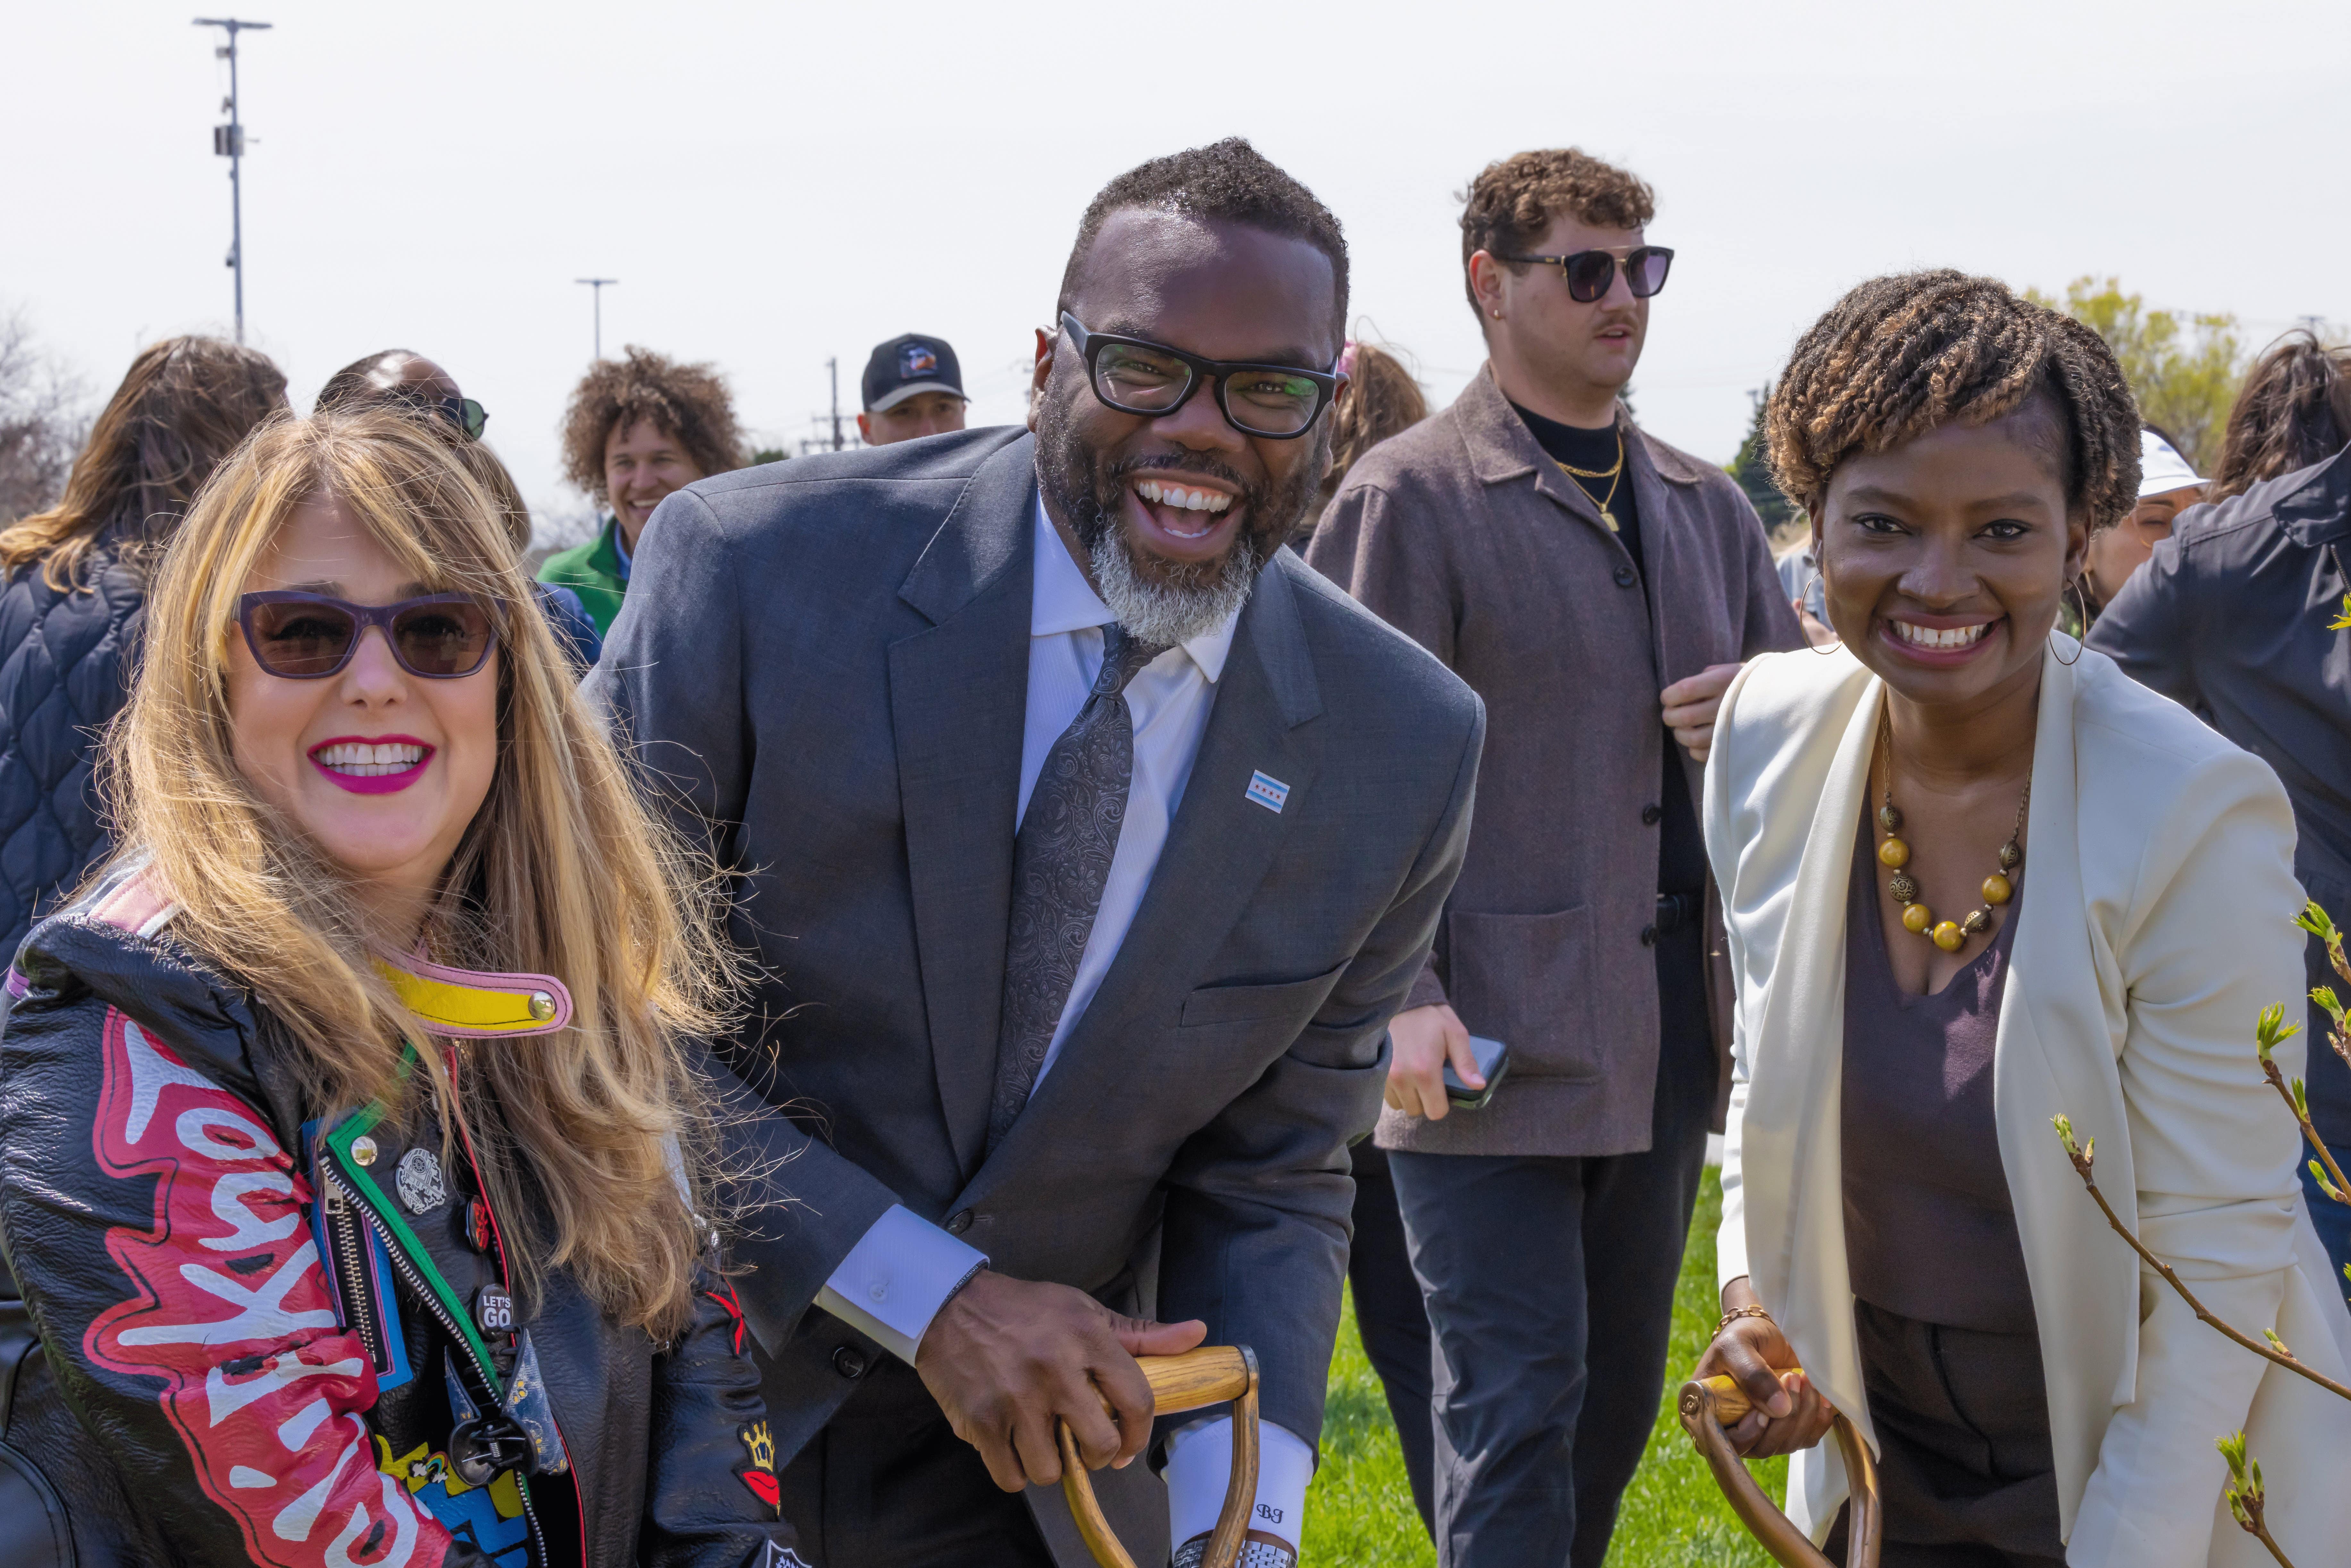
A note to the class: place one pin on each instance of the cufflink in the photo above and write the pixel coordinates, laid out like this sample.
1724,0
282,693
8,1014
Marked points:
1258,1550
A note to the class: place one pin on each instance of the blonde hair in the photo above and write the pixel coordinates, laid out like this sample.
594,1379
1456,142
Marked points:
581,1133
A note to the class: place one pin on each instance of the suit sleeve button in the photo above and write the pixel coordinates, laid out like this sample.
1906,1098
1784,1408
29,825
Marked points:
1650,814
850,1362
1625,577
960,1222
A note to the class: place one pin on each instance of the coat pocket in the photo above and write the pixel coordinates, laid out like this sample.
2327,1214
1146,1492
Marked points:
1527,980
1284,1006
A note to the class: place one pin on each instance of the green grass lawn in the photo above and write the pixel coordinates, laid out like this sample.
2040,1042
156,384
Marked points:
1360,1510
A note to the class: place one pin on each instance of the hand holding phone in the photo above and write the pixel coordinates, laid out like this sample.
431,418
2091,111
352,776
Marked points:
1493,1062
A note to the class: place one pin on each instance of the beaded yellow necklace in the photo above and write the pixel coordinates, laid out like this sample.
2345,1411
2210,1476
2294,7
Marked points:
1951,935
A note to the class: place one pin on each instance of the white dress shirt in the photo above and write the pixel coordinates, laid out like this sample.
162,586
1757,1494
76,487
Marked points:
904,1269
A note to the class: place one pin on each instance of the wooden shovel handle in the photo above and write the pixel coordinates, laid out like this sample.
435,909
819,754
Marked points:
1213,1375
1708,1405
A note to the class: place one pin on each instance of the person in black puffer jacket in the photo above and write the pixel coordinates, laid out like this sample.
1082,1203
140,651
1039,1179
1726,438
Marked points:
76,587
354,1130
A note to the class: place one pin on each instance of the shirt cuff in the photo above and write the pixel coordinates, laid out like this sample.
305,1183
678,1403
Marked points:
1200,1467
896,1278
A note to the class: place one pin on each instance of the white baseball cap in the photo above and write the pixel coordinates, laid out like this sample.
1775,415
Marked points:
2162,469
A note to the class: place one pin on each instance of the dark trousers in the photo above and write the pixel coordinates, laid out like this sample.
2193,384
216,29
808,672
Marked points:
887,1484
2330,1106
1393,1319
1550,1283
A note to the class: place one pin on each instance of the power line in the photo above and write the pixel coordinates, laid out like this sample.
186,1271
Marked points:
228,141
598,285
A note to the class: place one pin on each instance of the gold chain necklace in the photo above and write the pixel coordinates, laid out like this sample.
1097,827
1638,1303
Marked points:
1615,474
1893,854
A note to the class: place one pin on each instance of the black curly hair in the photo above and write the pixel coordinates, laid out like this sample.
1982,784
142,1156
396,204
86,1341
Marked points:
1900,356
1225,182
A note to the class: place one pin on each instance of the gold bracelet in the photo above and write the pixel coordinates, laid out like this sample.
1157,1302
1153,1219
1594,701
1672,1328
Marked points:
1735,1313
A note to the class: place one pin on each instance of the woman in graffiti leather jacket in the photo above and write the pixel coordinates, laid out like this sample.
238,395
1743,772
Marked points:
340,1253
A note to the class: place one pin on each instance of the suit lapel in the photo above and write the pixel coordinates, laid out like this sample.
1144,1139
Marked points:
958,695
1218,849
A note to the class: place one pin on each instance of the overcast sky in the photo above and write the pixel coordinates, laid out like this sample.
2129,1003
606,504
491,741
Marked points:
775,184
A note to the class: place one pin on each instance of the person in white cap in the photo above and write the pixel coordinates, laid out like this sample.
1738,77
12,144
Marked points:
2168,487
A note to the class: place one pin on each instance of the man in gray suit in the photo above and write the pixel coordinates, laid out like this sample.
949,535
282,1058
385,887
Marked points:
1088,840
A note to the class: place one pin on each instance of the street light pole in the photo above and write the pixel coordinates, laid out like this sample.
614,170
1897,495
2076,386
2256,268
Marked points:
833,367
228,141
597,286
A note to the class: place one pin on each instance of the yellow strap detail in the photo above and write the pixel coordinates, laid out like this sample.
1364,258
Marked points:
461,1006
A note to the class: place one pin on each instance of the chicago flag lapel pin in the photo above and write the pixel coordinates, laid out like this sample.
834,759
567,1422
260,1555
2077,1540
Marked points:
1270,793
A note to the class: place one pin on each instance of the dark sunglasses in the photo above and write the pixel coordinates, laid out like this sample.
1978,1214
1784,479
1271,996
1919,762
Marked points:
308,636
467,415
1590,272
1135,376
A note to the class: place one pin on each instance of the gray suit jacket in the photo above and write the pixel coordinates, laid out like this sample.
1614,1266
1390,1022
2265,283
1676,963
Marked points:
827,662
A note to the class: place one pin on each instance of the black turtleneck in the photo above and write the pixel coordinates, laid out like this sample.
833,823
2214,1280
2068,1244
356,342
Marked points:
1594,451
1681,845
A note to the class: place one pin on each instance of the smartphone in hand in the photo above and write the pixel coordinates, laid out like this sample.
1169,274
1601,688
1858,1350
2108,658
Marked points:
1493,1059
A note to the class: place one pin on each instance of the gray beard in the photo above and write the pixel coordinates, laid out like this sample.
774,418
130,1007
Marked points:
1185,602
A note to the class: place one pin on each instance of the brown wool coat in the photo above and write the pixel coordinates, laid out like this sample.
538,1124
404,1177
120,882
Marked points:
1461,533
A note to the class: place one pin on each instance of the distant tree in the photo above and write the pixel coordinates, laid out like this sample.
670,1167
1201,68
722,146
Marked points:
765,455
1753,469
41,425
2184,370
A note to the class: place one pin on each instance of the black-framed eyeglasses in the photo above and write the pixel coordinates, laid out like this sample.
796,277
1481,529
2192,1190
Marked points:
301,636
1136,376
1589,273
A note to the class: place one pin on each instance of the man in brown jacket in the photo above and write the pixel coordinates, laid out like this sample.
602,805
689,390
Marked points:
1598,589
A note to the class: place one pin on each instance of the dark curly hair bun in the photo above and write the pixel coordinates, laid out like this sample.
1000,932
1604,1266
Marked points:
1903,355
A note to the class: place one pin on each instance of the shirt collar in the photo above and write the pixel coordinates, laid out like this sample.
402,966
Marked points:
621,548
1061,600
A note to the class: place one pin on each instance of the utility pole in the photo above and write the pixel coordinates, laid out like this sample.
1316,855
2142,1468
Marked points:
228,141
598,285
834,367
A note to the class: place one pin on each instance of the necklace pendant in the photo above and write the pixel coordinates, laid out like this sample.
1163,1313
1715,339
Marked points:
1610,519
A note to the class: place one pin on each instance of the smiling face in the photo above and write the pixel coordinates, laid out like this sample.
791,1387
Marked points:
382,769
1175,514
1946,557
1568,355
643,462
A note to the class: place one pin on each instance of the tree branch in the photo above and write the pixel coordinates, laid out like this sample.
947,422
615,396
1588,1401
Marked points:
2272,1029
2276,1350
2246,1496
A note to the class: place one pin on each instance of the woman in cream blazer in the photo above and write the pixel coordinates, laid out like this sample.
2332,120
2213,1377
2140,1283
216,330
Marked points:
2155,927
2152,922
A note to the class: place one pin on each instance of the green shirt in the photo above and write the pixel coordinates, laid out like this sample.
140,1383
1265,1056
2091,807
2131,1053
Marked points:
593,571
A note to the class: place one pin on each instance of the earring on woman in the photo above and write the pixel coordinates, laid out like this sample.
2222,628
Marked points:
2081,617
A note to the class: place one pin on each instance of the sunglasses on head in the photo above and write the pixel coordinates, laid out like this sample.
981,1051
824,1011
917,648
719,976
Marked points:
469,417
307,636
1590,272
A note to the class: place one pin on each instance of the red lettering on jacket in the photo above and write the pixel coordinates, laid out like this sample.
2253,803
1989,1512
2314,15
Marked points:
232,1312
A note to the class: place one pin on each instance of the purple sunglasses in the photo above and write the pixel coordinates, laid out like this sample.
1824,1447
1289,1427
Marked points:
307,636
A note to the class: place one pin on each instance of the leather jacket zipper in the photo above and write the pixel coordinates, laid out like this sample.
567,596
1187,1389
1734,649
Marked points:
360,1310
461,1351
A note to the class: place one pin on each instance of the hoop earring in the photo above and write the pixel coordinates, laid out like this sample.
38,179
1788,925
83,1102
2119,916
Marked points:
2082,614
1829,651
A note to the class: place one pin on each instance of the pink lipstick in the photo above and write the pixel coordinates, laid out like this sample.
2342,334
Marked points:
372,764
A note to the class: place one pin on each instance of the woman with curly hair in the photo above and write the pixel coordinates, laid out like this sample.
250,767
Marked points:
638,427
1975,877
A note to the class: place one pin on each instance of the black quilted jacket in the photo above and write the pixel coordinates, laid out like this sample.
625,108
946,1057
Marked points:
259,1336
65,664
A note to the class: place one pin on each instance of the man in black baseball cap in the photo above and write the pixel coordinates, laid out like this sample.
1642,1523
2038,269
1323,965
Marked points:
913,387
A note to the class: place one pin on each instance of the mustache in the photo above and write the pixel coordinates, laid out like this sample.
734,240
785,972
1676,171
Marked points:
1201,463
